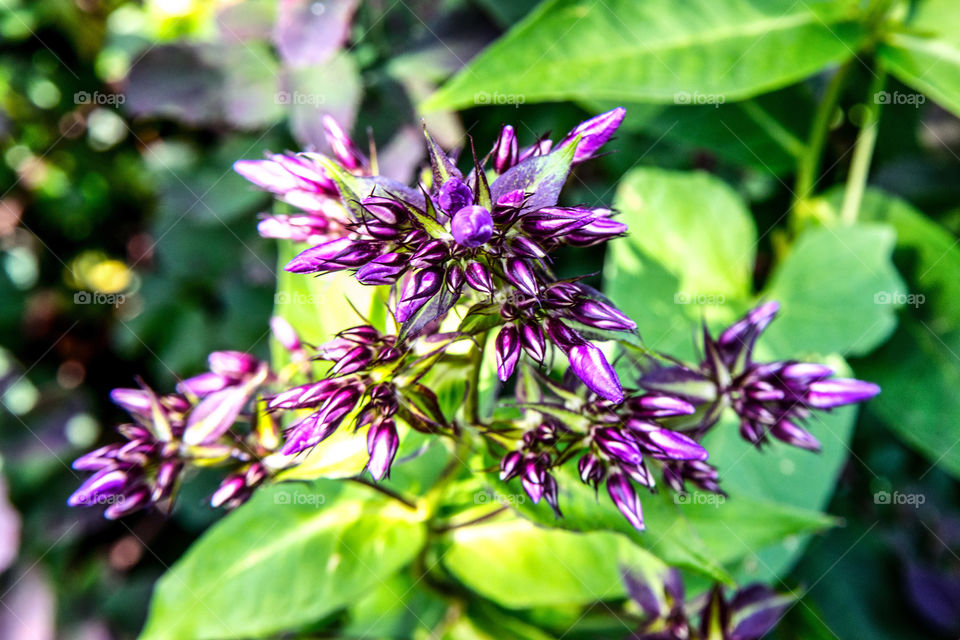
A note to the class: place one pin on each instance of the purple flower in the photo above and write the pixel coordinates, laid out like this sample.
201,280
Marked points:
472,226
416,291
457,224
594,133
507,351
505,152
133,474
454,195
382,443
625,498
591,366
382,270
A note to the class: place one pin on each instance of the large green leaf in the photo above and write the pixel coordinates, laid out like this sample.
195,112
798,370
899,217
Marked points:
649,50
517,564
927,56
921,361
293,554
830,288
689,253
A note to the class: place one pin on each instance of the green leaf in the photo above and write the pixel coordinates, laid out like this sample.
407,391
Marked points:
795,480
689,253
395,608
703,533
827,287
651,51
517,564
293,554
697,241
927,57
920,362
765,133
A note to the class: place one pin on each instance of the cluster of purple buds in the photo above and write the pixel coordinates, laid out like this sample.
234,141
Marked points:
300,181
625,439
350,385
749,613
771,399
532,464
145,468
461,234
532,319
197,426
617,444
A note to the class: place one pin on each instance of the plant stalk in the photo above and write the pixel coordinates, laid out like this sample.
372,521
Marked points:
863,150
808,168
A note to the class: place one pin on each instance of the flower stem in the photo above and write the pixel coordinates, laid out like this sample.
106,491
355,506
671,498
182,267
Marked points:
472,408
808,168
863,150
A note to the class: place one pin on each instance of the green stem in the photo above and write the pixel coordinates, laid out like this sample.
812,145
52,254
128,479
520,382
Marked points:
863,151
808,168
472,408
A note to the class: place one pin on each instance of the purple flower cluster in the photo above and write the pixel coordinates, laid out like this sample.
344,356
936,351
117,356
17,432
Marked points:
355,353
487,233
168,431
662,421
749,613
770,398
471,247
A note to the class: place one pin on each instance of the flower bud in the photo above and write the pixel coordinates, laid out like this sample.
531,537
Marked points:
472,226
454,195
594,133
416,291
382,443
505,151
507,351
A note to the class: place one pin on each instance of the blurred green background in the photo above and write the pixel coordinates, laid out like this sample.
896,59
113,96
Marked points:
128,247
